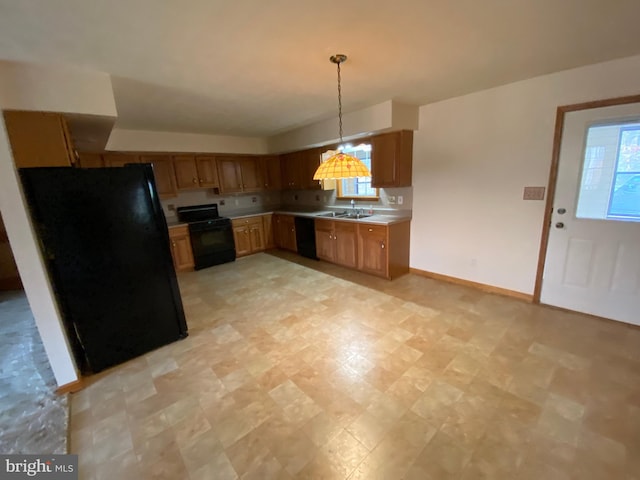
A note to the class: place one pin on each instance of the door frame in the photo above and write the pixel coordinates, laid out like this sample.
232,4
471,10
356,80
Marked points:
553,174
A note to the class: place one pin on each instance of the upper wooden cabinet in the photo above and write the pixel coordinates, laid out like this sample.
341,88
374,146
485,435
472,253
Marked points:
239,174
207,171
298,169
164,174
195,171
39,139
310,163
291,171
270,172
90,160
119,159
391,159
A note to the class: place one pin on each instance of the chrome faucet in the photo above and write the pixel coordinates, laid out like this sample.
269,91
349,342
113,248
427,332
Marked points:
353,205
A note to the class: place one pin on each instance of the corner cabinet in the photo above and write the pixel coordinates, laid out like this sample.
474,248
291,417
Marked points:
383,250
181,248
391,159
284,232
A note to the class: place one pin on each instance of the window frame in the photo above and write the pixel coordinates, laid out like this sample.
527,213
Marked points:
619,216
340,195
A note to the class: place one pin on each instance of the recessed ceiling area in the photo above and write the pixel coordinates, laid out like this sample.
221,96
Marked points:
256,68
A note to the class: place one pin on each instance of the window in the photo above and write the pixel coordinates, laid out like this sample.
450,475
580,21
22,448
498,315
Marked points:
359,187
610,184
625,195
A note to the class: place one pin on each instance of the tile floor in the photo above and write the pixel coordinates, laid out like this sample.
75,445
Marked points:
323,373
33,418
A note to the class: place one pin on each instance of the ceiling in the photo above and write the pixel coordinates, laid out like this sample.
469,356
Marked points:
258,68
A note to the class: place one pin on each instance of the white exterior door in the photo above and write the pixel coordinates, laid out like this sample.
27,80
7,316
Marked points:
592,263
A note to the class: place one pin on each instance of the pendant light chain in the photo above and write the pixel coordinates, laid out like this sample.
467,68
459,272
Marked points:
339,102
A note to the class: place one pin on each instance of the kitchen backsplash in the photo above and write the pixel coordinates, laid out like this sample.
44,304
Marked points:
231,204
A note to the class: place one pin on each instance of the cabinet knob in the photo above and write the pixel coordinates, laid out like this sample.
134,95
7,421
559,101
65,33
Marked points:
381,244
195,180
371,229
173,244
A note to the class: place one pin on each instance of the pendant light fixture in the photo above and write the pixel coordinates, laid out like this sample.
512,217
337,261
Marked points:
341,165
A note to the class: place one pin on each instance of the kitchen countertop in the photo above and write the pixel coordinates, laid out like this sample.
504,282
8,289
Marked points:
377,218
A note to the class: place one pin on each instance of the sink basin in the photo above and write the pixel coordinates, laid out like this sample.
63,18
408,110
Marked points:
344,215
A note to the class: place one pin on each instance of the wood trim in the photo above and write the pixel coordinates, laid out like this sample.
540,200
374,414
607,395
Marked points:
72,387
479,286
553,174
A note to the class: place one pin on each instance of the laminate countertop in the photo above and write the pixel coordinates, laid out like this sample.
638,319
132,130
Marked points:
377,218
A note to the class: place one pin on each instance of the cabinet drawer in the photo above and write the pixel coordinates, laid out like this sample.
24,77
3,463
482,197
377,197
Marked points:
369,228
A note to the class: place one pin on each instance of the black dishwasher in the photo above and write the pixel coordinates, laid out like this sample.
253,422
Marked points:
306,237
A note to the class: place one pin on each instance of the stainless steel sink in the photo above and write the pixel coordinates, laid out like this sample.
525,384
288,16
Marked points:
352,215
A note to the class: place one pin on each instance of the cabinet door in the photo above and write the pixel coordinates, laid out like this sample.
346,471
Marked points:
164,174
38,139
267,226
207,171
186,172
229,175
256,235
391,159
291,166
90,160
372,249
271,172
310,163
346,241
181,248
250,174
241,238
325,244
285,230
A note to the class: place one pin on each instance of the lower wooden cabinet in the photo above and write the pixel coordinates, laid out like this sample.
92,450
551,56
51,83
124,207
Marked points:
267,224
248,234
181,248
284,229
337,242
383,250
377,249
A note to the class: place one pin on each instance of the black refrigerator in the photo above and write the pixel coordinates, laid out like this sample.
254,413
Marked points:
105,242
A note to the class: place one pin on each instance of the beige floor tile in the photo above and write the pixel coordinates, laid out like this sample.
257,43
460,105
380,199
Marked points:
301,369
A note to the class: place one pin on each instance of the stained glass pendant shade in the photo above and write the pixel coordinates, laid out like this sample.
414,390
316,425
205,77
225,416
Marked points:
341,165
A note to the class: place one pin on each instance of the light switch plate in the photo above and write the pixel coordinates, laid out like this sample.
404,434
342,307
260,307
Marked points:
533,193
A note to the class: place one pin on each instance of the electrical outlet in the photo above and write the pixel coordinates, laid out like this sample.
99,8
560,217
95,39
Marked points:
254,199
171,207
317,198
391,199
400,199
236,202
221,202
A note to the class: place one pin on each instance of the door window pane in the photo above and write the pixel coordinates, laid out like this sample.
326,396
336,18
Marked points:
610,184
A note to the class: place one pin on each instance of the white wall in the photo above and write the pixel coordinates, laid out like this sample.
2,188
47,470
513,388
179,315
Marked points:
385,116
150,141
472,157
29,87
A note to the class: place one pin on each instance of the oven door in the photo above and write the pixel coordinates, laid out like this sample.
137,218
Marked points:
212,243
